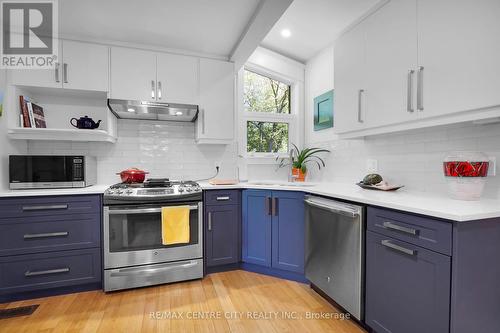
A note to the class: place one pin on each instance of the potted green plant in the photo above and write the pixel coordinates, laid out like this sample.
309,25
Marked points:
299,160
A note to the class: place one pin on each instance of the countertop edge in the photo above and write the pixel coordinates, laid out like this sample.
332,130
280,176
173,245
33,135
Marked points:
312,189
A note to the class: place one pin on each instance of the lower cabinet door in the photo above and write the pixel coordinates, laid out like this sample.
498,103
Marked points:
288,241
256,233
407,287
222,231
49,270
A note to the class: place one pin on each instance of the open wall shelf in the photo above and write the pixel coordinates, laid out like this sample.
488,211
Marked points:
60,105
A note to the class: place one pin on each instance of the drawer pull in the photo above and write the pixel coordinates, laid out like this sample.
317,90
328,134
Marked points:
387,243
51,207
46,235
406,230
222,198
47,272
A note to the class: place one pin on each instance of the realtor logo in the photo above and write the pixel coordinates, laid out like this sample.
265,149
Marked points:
29,34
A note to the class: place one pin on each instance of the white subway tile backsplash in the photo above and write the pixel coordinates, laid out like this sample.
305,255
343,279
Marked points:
413,158
163,149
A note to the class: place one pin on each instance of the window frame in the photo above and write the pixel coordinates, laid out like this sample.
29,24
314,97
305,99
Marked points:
289,118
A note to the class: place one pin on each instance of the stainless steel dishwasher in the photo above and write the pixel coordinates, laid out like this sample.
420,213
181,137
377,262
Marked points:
335,251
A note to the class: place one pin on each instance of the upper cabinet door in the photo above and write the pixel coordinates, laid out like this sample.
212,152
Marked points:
177,79
51,78
133,74
459,49
349,61
391,60
85,66
216,120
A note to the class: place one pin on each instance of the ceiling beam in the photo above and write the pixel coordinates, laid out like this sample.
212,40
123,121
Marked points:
266,15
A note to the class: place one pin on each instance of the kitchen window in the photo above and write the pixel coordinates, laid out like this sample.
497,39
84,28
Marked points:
268,117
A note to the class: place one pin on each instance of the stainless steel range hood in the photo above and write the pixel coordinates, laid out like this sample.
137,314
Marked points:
143,110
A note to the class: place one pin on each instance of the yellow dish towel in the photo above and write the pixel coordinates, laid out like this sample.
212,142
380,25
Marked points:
175,225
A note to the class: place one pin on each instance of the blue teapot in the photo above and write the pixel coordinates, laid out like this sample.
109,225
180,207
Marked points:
85,123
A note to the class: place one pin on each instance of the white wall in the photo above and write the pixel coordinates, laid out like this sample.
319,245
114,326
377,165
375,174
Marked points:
319,79
165,149
7,146
413,158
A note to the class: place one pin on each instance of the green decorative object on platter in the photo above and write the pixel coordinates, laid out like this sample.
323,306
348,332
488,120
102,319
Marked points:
323,111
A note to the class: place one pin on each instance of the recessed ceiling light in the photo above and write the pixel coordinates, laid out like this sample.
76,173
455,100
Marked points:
286,33
130,110
178,113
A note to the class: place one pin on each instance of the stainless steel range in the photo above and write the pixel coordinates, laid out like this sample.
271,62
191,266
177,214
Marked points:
133,252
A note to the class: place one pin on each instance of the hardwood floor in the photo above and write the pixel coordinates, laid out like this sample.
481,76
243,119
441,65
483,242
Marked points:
237,301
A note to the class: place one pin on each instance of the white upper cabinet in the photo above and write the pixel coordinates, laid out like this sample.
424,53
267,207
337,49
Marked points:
459,50
177,79
215,122
85,66
133,74
79,65
51,78
350,73
425,60
391,59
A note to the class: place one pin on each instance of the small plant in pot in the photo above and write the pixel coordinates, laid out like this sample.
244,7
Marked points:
299,160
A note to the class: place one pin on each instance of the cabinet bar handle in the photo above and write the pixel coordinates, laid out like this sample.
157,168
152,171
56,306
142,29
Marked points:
49,207
56,72
268,206
47,272
65,73
159,89
387,243
222,198
209,221
360,97
275,206
420,89
47,235
409,92
406,230
153,89
202,111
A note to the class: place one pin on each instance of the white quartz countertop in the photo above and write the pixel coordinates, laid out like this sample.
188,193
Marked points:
424,203
439,206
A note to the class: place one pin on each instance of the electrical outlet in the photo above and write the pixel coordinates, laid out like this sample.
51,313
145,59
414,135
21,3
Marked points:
371,165
492,168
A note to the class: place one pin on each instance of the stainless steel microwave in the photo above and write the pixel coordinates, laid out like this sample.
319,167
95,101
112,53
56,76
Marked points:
51,171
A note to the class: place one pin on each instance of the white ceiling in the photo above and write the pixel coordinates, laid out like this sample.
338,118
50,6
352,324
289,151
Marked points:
314,24
211,27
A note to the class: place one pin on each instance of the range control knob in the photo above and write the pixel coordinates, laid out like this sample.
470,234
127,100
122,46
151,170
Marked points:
181,189
129,192
110,192
188,189
119,192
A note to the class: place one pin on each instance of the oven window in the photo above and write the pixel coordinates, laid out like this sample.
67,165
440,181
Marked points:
142,231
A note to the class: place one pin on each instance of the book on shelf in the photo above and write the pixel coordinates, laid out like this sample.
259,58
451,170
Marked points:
24,111
32,115
38,116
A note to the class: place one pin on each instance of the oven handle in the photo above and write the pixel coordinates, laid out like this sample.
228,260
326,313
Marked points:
152,271
143,210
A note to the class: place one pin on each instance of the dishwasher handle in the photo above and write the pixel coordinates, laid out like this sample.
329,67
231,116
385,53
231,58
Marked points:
335,208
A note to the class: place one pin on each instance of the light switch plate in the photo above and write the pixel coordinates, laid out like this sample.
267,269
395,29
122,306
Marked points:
371,165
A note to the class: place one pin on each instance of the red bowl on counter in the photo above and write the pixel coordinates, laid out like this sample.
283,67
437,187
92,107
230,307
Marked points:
133,175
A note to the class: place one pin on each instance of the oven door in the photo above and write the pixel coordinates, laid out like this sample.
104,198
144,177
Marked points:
132,236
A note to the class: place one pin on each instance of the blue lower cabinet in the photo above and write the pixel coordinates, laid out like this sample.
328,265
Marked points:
49,245
42,271
407,287
288,237
257,227
273,230
222,235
